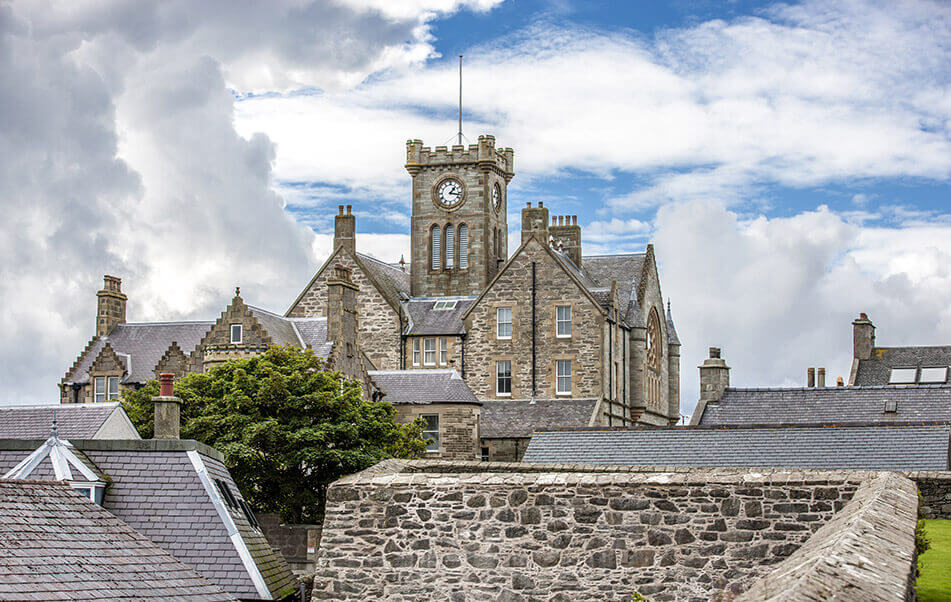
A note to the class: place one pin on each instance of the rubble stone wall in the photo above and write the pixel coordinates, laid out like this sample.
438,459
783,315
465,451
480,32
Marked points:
408,530
935,491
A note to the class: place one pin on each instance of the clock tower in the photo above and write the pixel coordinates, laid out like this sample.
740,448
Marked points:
459,232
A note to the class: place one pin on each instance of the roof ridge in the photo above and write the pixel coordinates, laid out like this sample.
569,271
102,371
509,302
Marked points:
848,388
60,405
614,255
168,323
267,311
757,426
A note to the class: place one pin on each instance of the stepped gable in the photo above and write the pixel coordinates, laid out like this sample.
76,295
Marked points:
173,493
877,369
146,343
58,544
519,418
73,421
830,405
424,319
422,386
868,447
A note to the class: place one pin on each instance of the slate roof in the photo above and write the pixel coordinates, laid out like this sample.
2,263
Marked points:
895,447
313,331
424,320
672,337
73,421
876,371
392,279
422,386
58,545
146,343
162,490
830,405
626,269
280,329
518,418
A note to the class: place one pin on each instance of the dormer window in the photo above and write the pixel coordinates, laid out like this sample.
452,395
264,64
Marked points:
236,332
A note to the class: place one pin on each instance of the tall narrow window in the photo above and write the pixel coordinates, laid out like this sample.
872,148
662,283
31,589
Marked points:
436,262
443,351
503,378
431,432
463,247
563,319
113,388
415,352
503,320
429,352
99,388
450,247
236,333
563,377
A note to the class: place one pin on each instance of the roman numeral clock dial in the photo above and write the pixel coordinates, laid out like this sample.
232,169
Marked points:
449,192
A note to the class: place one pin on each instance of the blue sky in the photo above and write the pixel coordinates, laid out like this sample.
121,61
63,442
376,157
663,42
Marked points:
790,162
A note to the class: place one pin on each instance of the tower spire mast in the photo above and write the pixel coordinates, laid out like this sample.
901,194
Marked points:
460,100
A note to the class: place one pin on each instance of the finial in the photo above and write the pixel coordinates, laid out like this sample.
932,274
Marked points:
237,291
668,305
53,429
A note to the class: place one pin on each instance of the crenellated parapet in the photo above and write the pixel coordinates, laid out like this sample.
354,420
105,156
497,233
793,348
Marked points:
484,154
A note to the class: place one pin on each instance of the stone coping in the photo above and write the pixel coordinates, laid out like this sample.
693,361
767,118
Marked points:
866,552
139,445
447,472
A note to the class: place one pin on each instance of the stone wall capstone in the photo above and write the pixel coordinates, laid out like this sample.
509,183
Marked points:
412,530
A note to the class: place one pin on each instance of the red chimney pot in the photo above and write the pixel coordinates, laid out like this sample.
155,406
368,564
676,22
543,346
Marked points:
166,384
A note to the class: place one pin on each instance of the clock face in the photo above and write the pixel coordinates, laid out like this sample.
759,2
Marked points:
497,197
450,192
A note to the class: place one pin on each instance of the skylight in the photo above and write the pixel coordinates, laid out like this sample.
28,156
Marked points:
934,375
903,376
445,305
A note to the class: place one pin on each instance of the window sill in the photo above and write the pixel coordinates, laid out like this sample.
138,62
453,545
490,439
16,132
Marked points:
503,338
562,394
562,336
503,394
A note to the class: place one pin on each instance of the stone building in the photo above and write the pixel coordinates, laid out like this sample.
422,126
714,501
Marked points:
128,354
544,336
904,365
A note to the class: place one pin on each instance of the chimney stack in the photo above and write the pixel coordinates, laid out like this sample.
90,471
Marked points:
111,306
821,378
714,377
168,409
535,221
810,377
863,337
342,307
345,229
567,235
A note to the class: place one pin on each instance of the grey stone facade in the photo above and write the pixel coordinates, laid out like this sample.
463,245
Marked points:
419,530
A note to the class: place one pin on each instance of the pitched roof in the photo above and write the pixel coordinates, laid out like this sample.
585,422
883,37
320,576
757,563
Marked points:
165,489
280,329
424,319
74,421
830,405
392,280
144,343
422,386
626,269
59,545
876,371
520,417
870,447
313,331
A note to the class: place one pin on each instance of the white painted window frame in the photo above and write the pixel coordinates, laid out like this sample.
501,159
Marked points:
560,377
498,378
499,323
427,351
240,331
559,322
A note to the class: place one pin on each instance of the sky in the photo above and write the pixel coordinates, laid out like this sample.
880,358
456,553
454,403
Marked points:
790,162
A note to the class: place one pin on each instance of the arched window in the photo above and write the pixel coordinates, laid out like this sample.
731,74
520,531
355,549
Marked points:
463,247
436,260
653,340
450,247
652,372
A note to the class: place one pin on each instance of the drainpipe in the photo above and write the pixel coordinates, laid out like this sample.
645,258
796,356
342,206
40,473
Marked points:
534,387
462,359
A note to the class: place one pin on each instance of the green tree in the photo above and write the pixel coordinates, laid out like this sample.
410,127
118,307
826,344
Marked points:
286,426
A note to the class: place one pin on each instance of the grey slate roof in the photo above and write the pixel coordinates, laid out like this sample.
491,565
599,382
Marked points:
830,405
518,418
58,545
672,338
146,343
314,333
424,320
626,269
157,489
876,371
422,386
392,279
896,447
280,329
73,421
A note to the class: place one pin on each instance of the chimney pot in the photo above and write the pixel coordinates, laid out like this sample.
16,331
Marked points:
348,209
863,316
541,204
839,382
714,352
339,209
528,204
810,377
574,220
166,384
821,378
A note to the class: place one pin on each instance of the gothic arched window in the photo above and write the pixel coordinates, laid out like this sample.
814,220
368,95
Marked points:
463,247
435,261
450,247
653,340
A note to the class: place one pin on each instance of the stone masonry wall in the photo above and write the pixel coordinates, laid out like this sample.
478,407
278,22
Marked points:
513,289
379,323
935,491
458,428
298,544
492,531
